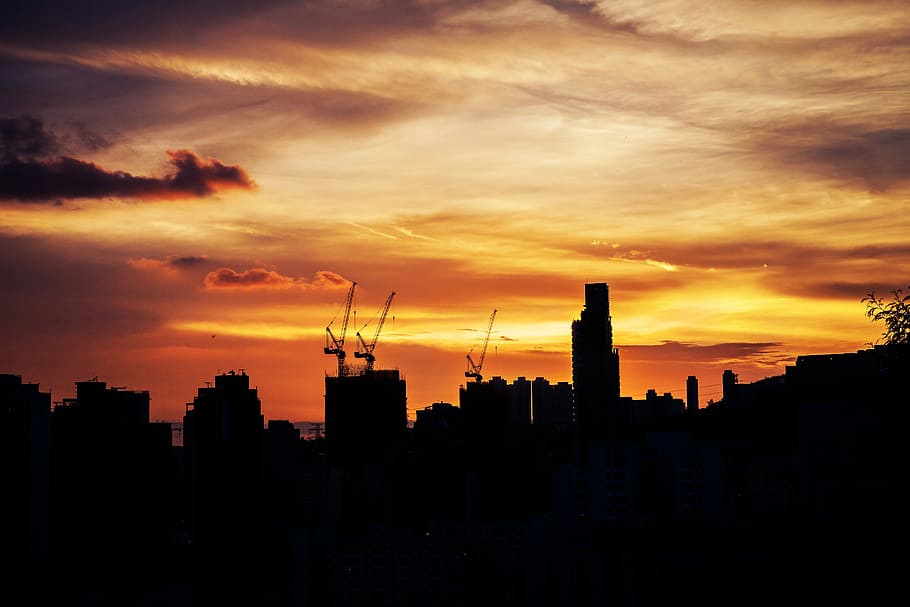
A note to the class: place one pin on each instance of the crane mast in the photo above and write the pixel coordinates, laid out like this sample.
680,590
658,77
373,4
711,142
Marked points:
366,349
475,368
335,345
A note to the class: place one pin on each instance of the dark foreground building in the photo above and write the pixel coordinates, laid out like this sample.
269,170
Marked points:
595,367
365,414
25,435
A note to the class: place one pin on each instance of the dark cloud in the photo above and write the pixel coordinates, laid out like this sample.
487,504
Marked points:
876,159
845,290
28,137
116,103
767,353
28,180
87,139
587,11
25,137
262,278
58,23
198,177
879,158
171,263
188,261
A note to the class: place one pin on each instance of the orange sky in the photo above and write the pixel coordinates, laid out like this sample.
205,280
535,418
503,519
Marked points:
736,171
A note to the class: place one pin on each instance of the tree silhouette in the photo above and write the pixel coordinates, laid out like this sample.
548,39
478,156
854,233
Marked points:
895,313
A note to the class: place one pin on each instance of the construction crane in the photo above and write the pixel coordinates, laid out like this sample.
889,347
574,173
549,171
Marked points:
335,345
366,349
474,369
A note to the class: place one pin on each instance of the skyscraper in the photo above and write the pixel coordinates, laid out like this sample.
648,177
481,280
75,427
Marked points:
595,367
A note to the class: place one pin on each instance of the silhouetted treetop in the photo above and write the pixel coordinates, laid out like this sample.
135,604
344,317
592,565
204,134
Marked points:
895,314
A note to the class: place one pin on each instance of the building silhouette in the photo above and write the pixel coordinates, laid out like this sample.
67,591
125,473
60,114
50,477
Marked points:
365,414
25,435
595,368
222,446
110,487
520,401
553,404
691,393
788,489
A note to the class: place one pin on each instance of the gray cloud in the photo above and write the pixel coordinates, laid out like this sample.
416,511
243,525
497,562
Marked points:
188,261
877,159
25,137
764,353
59,23
65,177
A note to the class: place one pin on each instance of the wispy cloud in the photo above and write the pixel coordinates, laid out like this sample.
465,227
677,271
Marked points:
262,278
171,263
410,233
373,231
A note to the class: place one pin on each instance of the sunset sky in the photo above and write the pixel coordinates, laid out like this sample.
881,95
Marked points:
189,188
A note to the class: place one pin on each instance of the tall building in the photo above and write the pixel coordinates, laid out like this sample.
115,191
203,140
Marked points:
595,367
110,469
365,413
486,411
691,393
222,448
25,435
552,403
730,382
520,401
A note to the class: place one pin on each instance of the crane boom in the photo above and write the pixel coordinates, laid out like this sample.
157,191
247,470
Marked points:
475,368
366,349
335,345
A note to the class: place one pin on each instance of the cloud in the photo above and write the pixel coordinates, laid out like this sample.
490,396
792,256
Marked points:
28,180
25,137
171,263
761,353
54,24
262,278
636,256
589,11
373,231
868,155
51,22
775,256
187,261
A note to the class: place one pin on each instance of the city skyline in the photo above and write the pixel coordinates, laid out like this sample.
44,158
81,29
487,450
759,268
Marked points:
189,190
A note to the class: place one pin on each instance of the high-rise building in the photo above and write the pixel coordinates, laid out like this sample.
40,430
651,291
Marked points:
365,413
110,470
691,393
520,401
552,403
595,367
25,434
729,381
485,410
222,447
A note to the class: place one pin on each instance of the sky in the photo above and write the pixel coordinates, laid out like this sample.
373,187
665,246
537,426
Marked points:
190,188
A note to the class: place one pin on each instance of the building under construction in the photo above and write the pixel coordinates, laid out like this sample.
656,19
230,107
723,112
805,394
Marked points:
365,412
365,409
